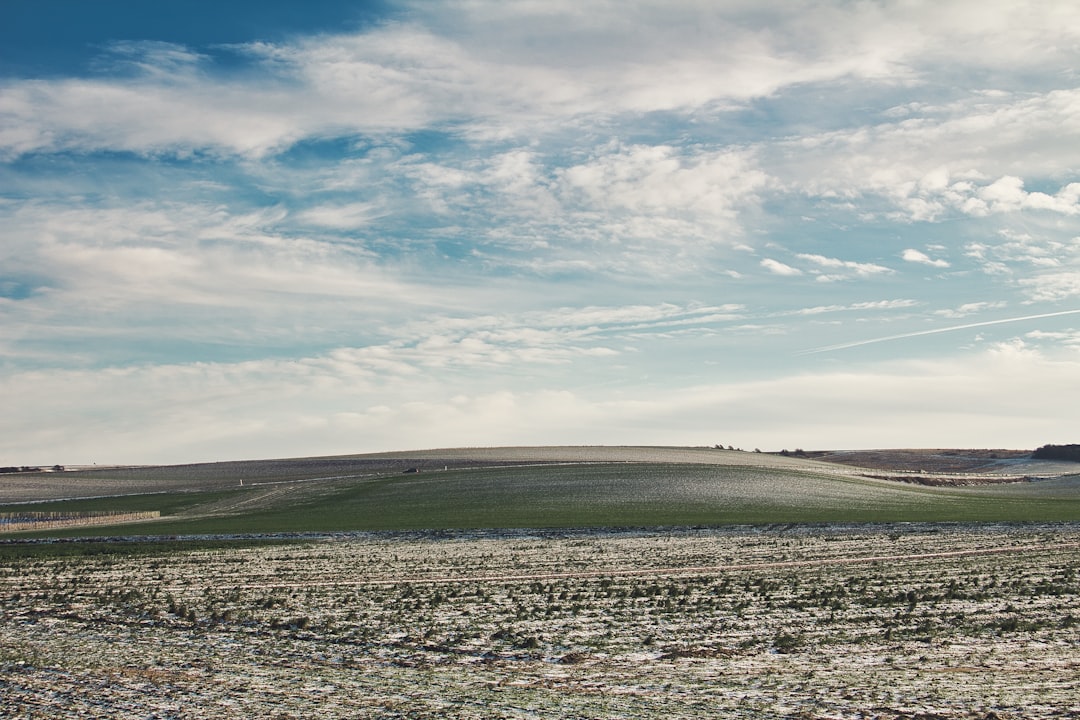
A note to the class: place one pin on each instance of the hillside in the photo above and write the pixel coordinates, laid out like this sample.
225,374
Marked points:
543,487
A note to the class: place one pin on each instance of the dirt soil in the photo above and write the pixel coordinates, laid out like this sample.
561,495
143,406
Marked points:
950,622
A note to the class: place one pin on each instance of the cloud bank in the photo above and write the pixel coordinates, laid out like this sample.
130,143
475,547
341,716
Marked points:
481,222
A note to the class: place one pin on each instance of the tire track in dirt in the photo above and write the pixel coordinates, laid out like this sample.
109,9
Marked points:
231,507
252,500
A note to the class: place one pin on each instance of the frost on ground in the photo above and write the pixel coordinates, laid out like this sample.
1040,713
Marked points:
827,622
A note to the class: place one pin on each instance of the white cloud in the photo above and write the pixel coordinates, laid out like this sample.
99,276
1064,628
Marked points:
176,252
1068,338
513,184
971,309
1041,263
162,273
778,268
1007,194
1052,287
667,210
142,116
661,180
970,157
916,256
842,269
514,71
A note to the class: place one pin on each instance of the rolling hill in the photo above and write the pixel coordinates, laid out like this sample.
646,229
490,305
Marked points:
548,487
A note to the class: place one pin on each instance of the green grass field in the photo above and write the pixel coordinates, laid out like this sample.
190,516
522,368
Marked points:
595,494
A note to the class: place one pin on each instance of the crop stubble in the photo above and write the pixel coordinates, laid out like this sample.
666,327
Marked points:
837,622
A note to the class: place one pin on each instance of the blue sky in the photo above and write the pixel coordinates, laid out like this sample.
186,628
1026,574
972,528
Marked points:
240,230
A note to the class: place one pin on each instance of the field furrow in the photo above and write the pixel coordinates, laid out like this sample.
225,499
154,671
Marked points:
898,621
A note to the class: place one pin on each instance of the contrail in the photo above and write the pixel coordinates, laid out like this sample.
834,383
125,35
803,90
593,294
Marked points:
857,343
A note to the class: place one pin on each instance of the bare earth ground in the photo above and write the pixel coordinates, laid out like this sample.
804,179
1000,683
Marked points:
902,621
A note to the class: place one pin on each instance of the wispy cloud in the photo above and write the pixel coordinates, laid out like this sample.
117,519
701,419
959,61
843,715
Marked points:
836,269
658,180
474,64
1069,338
1052,286
340,217
935,331
970,309
868,305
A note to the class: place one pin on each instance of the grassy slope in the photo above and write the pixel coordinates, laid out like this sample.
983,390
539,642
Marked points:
687,492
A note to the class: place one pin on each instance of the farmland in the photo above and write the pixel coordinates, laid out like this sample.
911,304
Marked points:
546,583
545,487
841,621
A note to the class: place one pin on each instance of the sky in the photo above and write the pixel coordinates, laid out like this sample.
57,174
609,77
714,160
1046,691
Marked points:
234,230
